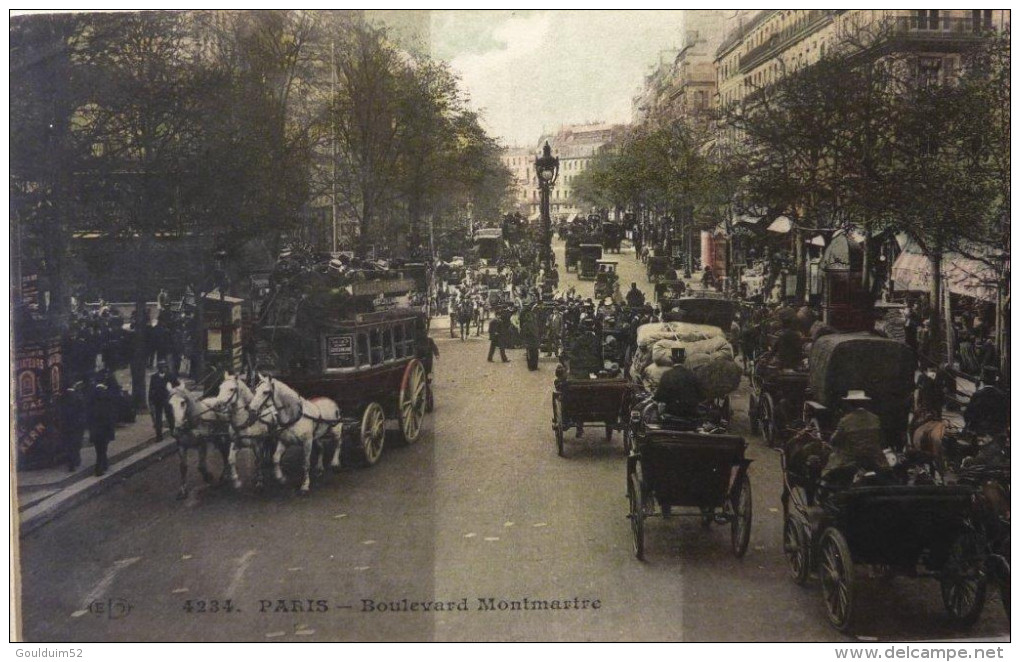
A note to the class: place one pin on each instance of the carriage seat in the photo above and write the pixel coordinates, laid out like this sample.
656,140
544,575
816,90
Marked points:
679,423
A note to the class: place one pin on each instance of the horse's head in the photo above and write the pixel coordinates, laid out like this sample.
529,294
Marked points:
178,405
229,394
264,394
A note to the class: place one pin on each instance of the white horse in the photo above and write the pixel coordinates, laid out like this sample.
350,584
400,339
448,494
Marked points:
297,422
194,423
247,430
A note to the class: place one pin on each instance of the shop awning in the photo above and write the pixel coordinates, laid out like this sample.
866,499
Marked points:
782,225
964,276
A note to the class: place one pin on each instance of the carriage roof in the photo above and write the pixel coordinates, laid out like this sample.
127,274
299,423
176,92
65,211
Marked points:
882,367
713,312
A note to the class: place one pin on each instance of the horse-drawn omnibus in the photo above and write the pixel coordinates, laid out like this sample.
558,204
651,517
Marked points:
489,242
356,346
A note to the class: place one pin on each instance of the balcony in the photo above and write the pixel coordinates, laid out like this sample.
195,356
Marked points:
943,34
815,19
939,27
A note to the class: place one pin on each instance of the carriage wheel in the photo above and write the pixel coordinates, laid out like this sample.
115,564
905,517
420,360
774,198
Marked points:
558,425
963,579
740,525
752,414
767,420
373,433
635,496
797,550
837,573
413,401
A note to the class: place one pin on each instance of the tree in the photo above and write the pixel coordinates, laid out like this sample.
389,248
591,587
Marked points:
366,123
139,122
42,154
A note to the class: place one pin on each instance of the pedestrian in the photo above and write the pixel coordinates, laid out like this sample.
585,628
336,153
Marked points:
530,334
497,337
635,297
159,396
102,419
72,424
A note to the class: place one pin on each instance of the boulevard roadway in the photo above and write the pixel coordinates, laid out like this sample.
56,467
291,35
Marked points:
481,507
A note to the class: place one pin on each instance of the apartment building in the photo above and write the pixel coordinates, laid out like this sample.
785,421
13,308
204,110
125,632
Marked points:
776,43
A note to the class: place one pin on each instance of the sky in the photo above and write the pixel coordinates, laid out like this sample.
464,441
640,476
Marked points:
531,71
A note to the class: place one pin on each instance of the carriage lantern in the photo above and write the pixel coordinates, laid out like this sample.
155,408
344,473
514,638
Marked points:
547,167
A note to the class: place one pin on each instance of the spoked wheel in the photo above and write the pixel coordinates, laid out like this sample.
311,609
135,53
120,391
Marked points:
373,433
767,420
797,550
635,496
413,401
837,573
963,579
558,425
740,526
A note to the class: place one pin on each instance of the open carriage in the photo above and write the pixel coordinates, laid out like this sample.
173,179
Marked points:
693,465
607,280
911,530
776,401
599,401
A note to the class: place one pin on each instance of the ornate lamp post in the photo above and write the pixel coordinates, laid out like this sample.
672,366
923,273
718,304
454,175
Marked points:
547,167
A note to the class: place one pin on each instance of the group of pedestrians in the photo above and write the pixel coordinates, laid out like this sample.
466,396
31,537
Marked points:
95,405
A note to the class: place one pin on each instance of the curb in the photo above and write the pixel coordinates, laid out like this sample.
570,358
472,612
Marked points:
51,507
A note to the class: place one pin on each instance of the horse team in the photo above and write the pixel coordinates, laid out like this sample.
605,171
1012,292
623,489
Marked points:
268,421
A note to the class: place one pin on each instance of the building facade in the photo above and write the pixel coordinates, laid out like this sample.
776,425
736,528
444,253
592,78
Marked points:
776,43
575,145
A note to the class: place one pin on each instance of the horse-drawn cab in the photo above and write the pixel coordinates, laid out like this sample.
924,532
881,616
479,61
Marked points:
880,367
845,502
712,311
657,267
668,291
612,235
589,256
375,364
607,280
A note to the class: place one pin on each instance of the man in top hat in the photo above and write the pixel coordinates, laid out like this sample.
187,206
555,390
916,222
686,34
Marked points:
159,397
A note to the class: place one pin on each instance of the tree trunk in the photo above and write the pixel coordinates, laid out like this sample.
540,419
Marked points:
799,266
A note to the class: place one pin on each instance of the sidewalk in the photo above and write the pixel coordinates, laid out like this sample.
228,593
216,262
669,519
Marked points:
43,494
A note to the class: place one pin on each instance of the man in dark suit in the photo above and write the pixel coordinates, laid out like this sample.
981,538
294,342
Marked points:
72,425
159,396
102,420
497,337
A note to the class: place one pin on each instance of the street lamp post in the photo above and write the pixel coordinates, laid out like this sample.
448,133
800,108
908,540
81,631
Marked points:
547,167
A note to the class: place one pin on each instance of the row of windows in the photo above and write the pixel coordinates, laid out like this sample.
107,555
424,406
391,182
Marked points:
370,347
